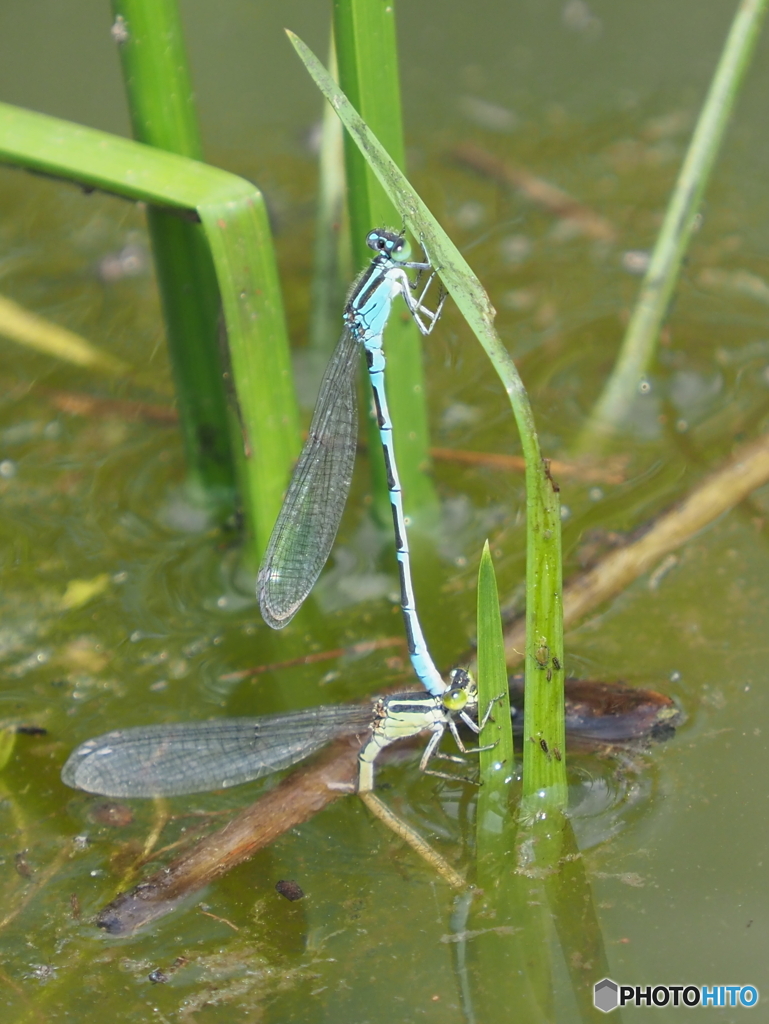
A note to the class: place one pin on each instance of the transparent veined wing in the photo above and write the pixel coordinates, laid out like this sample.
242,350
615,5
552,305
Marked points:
193,757
305,529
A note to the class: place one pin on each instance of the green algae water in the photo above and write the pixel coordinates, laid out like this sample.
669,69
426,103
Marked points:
123,605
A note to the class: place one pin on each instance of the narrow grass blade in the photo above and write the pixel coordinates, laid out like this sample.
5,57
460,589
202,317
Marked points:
367,54
577,924
159,93
148,34
639,345
332,271
234,220
497,765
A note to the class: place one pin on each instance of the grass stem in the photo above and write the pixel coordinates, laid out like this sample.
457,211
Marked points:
638,349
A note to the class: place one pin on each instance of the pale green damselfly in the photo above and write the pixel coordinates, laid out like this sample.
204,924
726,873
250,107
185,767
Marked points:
194,757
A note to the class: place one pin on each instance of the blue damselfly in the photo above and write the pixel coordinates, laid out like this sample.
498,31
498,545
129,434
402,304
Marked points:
309,519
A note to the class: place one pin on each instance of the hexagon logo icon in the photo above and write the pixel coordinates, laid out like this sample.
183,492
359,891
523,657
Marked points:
606,995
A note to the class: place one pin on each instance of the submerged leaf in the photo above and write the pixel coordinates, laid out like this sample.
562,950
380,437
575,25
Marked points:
26,328
7,743
80,592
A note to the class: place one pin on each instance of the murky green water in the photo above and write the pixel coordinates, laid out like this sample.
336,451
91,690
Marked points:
596,99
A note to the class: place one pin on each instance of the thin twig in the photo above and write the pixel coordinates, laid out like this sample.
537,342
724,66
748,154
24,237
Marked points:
609,471
537,190
718,493
364,647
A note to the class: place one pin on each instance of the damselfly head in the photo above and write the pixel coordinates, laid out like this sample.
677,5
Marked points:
389,242
462,691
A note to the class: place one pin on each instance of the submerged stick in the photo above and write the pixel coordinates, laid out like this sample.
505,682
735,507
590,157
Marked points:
294,800
598,716
537,190
297,798
718,493
33,331
608,471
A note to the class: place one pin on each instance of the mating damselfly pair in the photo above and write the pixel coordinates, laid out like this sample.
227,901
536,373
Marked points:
197,756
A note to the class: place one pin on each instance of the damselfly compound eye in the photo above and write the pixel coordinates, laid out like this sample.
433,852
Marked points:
455,698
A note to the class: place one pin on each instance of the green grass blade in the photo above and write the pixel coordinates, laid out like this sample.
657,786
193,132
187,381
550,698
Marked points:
159,95
367,55
157,78
507,898
234,220
364,32
332,272
261,366
511,947
577,924
191,309
639,345
497,764
544,621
